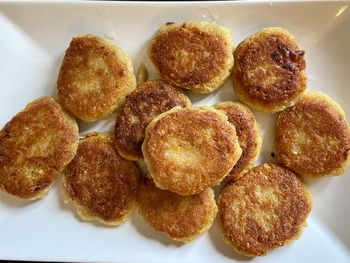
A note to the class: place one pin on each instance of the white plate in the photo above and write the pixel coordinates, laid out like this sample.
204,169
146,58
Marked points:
33,38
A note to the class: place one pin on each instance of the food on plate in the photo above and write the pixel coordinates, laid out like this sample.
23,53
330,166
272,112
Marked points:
183,150
139,108
193,55
188,150
183,218
269,70
247,131
95,77
313,137
35,146
102,184
265,209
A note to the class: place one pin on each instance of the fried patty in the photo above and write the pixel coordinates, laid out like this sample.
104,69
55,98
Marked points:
313,137
183,218
193,55
188,150
35,146
247,131
102,184
269,70
145,103
95,77
265,209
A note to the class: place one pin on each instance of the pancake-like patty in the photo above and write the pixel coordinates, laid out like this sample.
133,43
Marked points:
102,184
313,137
265,209
193,55
140,107
247,131
188,150
269,70
183,218
35,146
94,78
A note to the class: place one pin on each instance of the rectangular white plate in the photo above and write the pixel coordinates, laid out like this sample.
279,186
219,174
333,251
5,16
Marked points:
33,38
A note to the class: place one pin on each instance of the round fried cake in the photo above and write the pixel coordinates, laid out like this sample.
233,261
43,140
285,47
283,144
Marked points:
35,146
139,108
193,55
265,209
269,70
247,131
102,184
188,150
94,78
183,218
313,137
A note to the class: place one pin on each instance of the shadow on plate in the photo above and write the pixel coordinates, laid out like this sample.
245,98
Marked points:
147,231
142,58
224,93
15,202
52,76
219,243
106,124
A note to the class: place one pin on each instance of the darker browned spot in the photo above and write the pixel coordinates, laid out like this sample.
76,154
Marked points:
288,59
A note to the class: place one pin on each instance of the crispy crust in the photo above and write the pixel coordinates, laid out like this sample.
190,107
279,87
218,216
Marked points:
183,218
313,137
188,150
269,70
94,78
193,55
102,184
35,146
247,131
145,103
263,210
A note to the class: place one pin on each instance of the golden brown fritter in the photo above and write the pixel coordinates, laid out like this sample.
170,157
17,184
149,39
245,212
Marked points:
35,146
183,218
265,209
95,77
247,131
313,137
144,104
102,184
188,150
269,70
193,55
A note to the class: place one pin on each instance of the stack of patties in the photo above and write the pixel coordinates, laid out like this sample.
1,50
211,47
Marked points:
95,77
187,150
269,205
